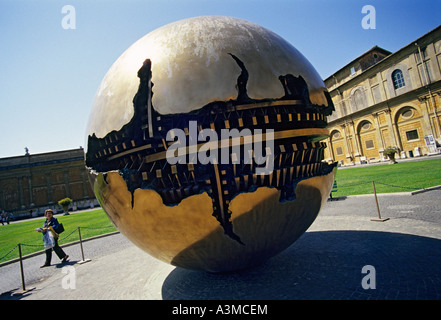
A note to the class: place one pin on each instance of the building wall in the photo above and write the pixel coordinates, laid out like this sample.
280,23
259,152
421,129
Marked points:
36,182
394,102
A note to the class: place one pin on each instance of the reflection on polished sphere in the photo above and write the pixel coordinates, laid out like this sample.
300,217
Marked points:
204,144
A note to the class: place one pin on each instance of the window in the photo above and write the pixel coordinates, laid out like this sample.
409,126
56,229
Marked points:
370,144
339,151
398,79
366,125
335,135
412,135
407,113
352,71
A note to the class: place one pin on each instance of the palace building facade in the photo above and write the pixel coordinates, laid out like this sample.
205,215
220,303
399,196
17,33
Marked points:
38,181
385,99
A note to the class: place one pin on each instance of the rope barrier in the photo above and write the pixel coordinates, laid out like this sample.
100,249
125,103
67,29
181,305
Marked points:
391,185
354,184
34,253
78,229
377,182
62,239
32,245
108,227
4,258
1,258
95,228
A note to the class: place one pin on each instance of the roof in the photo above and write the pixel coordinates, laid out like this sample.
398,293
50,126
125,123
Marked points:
373,49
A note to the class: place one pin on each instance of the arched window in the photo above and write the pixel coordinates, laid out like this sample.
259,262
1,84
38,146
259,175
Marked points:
365,125
398,79
335,135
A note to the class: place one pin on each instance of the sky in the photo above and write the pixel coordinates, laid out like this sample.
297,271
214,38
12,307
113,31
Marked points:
49,73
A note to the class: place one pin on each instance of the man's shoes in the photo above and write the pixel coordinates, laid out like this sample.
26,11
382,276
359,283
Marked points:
66,257
45,265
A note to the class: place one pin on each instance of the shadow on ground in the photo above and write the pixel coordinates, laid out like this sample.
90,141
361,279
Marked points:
326,265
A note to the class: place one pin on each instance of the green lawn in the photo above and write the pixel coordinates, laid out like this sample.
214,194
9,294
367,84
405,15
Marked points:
91,223
399,177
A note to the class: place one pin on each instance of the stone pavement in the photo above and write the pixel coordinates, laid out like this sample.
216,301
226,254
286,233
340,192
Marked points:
404,253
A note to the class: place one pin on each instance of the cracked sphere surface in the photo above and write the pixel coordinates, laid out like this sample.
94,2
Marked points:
204,144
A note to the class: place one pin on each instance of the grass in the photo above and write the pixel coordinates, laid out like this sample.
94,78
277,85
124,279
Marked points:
91,223
399,177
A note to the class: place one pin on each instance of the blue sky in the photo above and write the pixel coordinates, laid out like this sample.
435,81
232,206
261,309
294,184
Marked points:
49,75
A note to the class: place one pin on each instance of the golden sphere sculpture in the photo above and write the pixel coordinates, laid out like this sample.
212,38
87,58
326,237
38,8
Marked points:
204,144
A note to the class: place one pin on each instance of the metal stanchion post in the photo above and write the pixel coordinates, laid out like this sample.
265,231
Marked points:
23,291
82,251
378,207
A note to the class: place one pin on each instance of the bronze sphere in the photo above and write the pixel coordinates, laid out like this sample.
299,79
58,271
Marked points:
204,144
